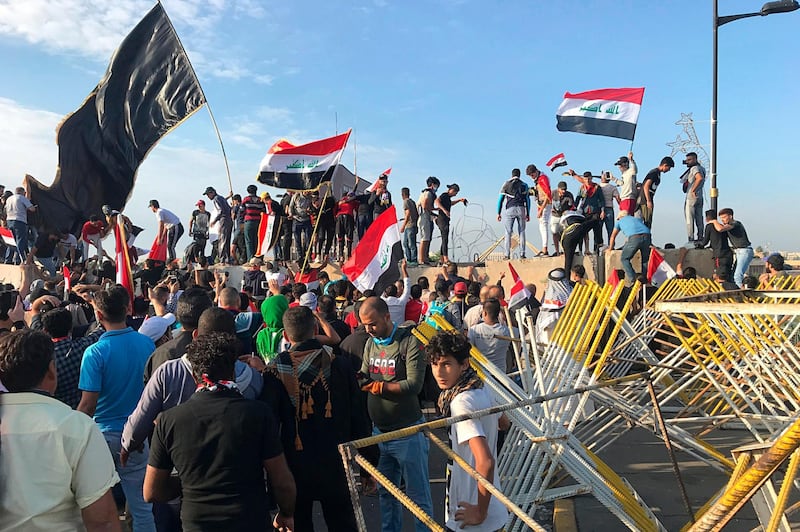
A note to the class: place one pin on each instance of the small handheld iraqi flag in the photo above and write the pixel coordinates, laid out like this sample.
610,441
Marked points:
606,112
658,271
385,174
373,265
519,294
556,162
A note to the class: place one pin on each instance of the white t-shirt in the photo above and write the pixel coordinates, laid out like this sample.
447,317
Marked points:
17,208
169,219
49,494
461,486
69,241
482,336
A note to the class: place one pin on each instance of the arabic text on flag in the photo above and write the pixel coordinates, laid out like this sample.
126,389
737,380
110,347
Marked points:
605,112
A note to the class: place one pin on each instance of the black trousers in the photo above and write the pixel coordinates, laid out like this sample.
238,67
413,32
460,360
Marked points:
571,237
443,223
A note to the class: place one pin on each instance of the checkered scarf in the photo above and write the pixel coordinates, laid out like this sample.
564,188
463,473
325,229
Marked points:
469,380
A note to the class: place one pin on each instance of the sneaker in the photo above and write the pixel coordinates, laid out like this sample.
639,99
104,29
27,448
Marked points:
522,256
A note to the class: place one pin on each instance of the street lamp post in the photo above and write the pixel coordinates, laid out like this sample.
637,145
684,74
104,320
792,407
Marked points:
781,6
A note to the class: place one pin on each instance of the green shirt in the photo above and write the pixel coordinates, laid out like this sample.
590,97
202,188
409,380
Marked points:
402,362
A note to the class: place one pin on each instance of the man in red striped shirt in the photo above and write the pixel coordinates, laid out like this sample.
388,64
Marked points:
253,207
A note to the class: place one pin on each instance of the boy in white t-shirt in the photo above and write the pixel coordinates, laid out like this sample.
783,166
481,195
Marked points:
468,505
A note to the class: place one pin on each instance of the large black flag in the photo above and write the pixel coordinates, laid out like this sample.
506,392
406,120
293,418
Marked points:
148,89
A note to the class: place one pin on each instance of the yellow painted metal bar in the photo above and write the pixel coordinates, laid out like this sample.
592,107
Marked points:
738,494
496,493
783,495
398,494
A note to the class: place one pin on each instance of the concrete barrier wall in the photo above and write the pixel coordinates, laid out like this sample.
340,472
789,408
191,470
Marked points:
530,270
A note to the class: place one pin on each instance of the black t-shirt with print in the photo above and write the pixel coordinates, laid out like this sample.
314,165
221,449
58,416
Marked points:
218,442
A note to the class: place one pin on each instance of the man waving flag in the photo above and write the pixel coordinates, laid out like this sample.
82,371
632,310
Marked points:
374,264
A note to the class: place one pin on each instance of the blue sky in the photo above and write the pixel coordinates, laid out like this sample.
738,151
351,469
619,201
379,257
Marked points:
460,89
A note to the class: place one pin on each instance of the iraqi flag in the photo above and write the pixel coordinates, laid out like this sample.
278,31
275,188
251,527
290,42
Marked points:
556,162
373,265
613,279
302,167
268,229
8,237
658,271
519,294
310,278
606,112
123,263
384,175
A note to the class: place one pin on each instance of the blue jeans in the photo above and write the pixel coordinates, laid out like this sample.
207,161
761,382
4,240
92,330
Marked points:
49,264
695,218
251,237
410,242
511,215
302,237
744,256
608,221
20,232
132,477
633,244
406,457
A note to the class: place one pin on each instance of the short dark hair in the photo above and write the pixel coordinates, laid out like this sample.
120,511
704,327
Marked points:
515,172
405,192
668,161
57,322
474,288
432,181
579,270
213,354
423,282
237,197
154,203
161,293
442,287
726,210
444,343
492,307
711,214
416,291
24,358
191,304
299,324
750,282
113,303
326,304
251,189
140,306
530,169
298,289
215,319
690,272
692,154
390,291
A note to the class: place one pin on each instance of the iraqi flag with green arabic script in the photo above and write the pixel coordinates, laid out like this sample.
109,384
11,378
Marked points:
606,112
374,264
303,167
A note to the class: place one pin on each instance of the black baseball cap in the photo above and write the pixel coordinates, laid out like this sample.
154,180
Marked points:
455,187
622,160
210,189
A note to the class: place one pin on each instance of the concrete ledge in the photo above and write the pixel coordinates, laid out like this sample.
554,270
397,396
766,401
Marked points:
564,519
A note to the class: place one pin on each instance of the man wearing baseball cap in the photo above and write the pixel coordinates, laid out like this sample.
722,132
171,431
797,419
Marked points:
628,191
223,216
444,202
198,228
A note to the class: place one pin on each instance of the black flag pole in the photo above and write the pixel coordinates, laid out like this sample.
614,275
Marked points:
208,104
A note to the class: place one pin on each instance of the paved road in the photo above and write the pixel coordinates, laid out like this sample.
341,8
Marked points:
642,460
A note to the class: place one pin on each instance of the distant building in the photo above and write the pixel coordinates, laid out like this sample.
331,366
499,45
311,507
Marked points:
343,182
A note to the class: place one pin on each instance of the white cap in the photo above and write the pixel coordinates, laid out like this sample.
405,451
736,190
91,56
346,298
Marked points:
156,326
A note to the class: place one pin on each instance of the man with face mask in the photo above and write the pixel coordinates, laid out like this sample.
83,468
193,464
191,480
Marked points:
426,202
693,180
392,373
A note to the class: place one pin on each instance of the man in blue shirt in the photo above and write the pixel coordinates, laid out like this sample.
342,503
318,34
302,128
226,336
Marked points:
638,239
111,387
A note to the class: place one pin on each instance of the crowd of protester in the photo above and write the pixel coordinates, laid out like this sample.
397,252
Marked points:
198,405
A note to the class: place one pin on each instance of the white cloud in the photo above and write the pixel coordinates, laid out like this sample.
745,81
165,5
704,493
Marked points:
95,28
